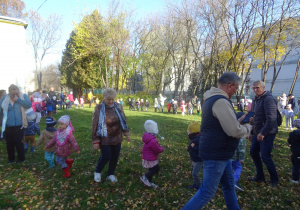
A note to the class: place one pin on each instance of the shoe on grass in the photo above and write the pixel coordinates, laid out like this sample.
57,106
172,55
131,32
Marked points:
153,185
97,177
237,186
255,179
193,187
112,178
145,181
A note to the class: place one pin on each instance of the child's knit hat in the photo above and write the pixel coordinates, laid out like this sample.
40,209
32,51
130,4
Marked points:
297,123
151,127
50,122
194,127
66,120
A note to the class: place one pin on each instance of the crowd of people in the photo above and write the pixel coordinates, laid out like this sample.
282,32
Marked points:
216,147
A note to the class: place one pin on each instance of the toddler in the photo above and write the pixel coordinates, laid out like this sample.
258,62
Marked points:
151,150
121,102
137,103
238,158
64,141
142,104
193,132
175,107
30,132
81,102
198,108
182,107
46,137
294,142
289,116
190,108
169,105
76,103
146,105
155,104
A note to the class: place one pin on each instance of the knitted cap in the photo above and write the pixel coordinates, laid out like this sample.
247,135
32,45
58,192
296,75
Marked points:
151,127
297,123
194,127
50,122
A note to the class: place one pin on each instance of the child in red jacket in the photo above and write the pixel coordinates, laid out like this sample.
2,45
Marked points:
65,142
151,150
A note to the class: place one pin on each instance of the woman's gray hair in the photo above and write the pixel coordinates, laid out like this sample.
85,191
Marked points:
12,87
229,77
260,83
109,93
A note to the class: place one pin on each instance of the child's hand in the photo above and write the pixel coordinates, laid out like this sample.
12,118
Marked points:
78,152
187,147
192,144
96,146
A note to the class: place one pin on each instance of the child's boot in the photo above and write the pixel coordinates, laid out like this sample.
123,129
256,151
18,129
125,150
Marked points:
67,172
32,149
69,162
25,147
51,163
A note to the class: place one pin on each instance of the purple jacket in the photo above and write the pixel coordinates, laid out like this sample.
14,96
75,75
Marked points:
64,150
151,147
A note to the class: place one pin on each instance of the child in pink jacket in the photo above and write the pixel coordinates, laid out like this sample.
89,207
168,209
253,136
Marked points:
151,150
65,142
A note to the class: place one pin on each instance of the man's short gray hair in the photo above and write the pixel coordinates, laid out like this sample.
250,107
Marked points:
259,82
109,93
229,77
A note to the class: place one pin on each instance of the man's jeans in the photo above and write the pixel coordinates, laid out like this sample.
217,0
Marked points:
214,172
264,148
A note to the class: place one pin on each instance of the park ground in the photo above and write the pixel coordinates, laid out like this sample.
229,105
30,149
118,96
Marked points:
30,185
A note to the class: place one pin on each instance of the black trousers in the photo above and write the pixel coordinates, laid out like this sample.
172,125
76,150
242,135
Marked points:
151,172
109,153
14,137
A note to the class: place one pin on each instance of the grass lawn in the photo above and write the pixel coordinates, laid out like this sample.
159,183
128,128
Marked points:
31,185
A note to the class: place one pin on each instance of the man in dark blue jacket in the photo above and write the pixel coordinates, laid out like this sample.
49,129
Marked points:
220,134
264,132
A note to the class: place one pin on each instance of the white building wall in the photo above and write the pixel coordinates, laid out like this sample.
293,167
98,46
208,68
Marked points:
14,57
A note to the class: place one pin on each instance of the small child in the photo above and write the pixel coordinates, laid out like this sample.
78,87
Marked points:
76,103
238,158
46,137
64,141
38,109
121,102
130,104
133,104
198,108
118,101
30,132
137,103
169,105
182,107
193,132
155,104
81,102
142,104
147,105
294,142
175,107
67,102
151,150
97,100
190,108
289,116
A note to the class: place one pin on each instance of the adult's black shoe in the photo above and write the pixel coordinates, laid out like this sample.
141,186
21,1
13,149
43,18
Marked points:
274,184
255,179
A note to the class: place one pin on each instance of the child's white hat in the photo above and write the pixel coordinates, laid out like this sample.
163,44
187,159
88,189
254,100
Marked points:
151,127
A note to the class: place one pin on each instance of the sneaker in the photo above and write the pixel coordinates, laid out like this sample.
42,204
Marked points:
193,187
274,184
97,177
145,181
294,181
112,178
237,186
153,185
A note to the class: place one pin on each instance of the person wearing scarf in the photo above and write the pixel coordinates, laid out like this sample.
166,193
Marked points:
13,106
65,142
108,127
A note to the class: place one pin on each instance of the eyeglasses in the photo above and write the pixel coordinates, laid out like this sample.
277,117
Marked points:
255,88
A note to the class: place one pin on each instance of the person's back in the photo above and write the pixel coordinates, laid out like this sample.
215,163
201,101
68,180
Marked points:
294,142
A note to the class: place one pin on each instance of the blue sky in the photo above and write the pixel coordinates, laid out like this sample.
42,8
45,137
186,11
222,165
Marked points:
72,10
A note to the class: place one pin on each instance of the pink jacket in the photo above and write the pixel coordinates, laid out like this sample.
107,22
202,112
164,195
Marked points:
151,147
64,149
71,98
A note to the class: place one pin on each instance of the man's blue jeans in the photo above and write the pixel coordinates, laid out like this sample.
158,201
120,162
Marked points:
214,172
264,148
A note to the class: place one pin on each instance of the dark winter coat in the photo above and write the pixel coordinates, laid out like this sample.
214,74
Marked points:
294,104
194,151
32,129
265,118
294,141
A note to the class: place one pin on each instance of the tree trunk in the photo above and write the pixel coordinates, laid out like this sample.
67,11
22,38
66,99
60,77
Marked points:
295,77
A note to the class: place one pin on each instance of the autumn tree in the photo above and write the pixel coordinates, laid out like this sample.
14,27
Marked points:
12,8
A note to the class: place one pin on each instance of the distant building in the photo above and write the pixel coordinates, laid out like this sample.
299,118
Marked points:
14,57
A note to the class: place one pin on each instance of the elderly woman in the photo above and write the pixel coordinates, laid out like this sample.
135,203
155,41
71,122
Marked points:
14,123
109,124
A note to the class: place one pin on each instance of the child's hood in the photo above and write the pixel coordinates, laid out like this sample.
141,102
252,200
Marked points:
147,137
48,134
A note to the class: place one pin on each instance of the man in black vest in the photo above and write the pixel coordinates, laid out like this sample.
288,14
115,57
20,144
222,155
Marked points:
220,134
264,131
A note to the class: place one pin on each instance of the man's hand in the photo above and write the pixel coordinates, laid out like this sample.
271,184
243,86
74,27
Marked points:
96,146
260,137
250,137
192,144
128,139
